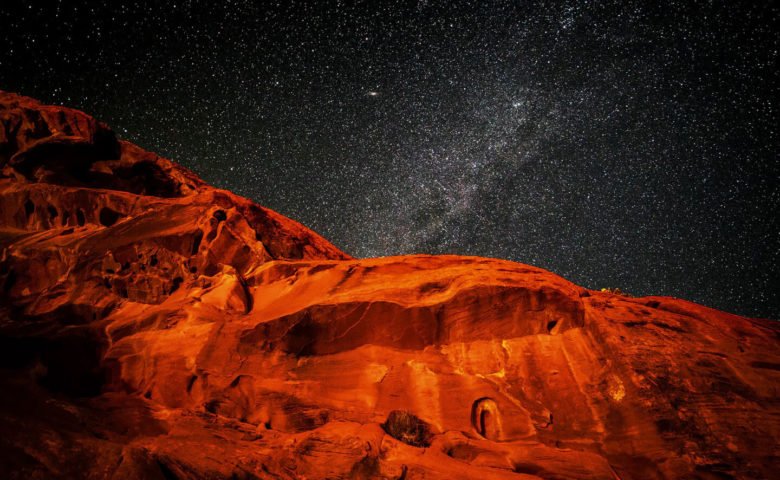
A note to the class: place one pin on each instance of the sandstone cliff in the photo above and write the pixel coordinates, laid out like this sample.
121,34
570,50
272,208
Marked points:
152,326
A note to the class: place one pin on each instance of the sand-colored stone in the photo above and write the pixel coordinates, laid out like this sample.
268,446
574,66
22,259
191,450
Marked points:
152,326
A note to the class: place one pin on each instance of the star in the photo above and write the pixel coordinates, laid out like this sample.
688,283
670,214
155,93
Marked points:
571,137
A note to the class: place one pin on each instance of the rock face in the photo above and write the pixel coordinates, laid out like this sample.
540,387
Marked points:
152,326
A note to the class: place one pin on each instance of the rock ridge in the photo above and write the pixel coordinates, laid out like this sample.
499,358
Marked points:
152,326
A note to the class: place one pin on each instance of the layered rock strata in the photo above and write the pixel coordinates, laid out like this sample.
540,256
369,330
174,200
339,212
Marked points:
153,326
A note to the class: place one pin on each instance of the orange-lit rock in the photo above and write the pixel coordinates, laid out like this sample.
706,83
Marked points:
155,327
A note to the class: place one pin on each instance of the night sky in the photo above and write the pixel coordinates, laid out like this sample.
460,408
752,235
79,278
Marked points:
626,144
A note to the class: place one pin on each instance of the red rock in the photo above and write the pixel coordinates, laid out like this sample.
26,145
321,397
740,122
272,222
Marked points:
155,327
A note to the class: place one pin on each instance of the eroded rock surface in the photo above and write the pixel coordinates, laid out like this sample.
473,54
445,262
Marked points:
152,326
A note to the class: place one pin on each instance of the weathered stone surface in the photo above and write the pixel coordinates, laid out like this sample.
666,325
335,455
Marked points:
152,326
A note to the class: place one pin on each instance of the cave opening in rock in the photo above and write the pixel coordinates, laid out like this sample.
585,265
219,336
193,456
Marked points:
485,418
108,217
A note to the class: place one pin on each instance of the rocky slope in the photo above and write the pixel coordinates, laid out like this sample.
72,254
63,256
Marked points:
152,326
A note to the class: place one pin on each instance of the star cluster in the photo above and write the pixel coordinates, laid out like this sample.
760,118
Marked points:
617,144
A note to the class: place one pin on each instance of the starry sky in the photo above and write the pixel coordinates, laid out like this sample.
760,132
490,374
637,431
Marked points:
617,144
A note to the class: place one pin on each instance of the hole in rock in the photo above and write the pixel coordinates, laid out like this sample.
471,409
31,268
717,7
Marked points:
551,325
176,282
80,218
29,208
191,382
408,428
210,270
486,419
153,260
53,213
236,381
766,365
196,241
108,216
528,469
404,469
220,215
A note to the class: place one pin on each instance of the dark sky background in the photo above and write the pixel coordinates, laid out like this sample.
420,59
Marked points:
626,144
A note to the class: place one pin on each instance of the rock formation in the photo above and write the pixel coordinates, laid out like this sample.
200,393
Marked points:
153,326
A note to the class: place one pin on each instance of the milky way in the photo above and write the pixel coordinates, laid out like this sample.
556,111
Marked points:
617,145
